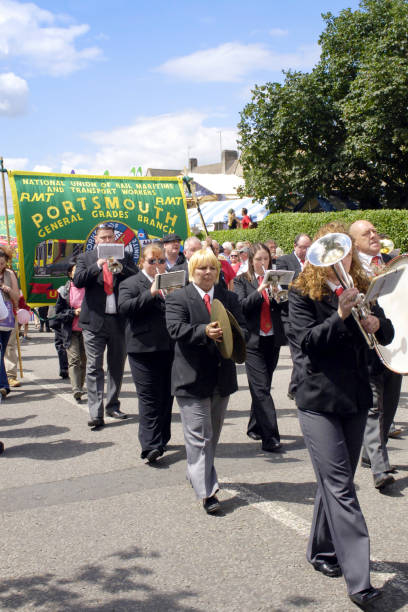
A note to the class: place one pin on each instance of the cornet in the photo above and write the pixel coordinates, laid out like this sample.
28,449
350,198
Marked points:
387,245
330,250
114,265
273,290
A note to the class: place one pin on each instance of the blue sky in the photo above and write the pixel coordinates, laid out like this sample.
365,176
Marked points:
94,85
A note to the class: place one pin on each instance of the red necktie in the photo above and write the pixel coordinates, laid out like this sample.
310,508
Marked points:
107,279
339,290
376,260
207,302
266,321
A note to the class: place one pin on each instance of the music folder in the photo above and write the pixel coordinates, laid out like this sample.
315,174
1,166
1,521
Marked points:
107,250
282,277
383,284
171,280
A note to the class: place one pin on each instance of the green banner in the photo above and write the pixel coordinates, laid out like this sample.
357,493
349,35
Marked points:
57,214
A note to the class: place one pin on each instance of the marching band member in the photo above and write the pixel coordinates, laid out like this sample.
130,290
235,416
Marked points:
385,384
266,336
202,380
150,351
333,397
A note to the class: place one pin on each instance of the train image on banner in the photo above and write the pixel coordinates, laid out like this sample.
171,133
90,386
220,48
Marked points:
52,256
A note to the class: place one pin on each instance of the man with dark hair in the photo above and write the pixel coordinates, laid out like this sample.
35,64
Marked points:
385,384
246,219
102,326
294,261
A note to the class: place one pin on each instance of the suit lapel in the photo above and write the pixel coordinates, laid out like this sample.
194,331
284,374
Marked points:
199,308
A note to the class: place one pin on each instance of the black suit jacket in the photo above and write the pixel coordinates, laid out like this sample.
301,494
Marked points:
251,303
288,262
198,367
146,330
334,377
88,275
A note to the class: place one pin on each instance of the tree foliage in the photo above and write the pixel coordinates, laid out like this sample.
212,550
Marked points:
343,127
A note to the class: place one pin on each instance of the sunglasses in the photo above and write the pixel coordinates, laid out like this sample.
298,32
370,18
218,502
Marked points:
234,255
155,261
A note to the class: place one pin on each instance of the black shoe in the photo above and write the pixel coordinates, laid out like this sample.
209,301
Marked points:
365,462
117,414
1,448
366,597
64,374
153,455
381,481
211,504
253,436
291,395
328,569
271,445
96,423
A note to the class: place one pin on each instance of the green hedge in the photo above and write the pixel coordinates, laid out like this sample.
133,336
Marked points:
283,227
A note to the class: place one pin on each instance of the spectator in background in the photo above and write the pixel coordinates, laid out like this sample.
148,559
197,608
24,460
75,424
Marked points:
246,219
243,257
227,248
191,245
233,222
171,244
235,262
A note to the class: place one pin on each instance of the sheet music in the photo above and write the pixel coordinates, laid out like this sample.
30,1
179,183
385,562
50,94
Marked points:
115,250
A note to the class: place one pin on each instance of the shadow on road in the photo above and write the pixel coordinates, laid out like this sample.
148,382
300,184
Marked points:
103,587
54,450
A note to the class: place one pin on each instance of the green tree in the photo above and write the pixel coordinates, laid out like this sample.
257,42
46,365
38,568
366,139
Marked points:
342,127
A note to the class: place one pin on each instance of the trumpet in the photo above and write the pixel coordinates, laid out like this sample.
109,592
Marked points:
330,250
114,265
273,290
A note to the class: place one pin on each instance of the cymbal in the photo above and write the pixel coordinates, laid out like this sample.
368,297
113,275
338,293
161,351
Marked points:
219,313
239,344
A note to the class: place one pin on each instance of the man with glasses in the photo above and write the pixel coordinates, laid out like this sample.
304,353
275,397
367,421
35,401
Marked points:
385,384
102,327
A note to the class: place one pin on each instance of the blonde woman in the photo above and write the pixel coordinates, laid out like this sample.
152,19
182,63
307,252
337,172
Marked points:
202,380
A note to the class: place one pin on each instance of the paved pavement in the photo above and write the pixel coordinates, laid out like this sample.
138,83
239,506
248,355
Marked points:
86,525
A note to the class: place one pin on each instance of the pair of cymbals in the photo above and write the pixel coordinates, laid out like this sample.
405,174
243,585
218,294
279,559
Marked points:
232,345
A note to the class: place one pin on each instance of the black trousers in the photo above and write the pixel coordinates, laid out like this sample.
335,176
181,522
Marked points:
260,365
339,532
151,374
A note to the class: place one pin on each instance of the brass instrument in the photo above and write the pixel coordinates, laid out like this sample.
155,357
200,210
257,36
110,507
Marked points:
330,250
387,246
114,265
273,290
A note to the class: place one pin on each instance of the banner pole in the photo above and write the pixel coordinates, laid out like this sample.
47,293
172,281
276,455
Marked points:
3,170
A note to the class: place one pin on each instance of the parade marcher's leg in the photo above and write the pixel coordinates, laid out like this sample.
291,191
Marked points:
94,348
166,399
334,445
75,364
392,390
146,374
197,427
260,364
11,358
4,384
116,357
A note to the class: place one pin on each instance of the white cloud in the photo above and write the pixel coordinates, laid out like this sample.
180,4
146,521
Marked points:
44,41
16,163
278,32
42,168
13,94
163,141
231,62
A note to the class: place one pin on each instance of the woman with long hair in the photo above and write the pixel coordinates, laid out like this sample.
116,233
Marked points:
333,397
266,336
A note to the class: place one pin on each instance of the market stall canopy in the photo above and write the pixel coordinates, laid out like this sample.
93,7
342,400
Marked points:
220,184
217,212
